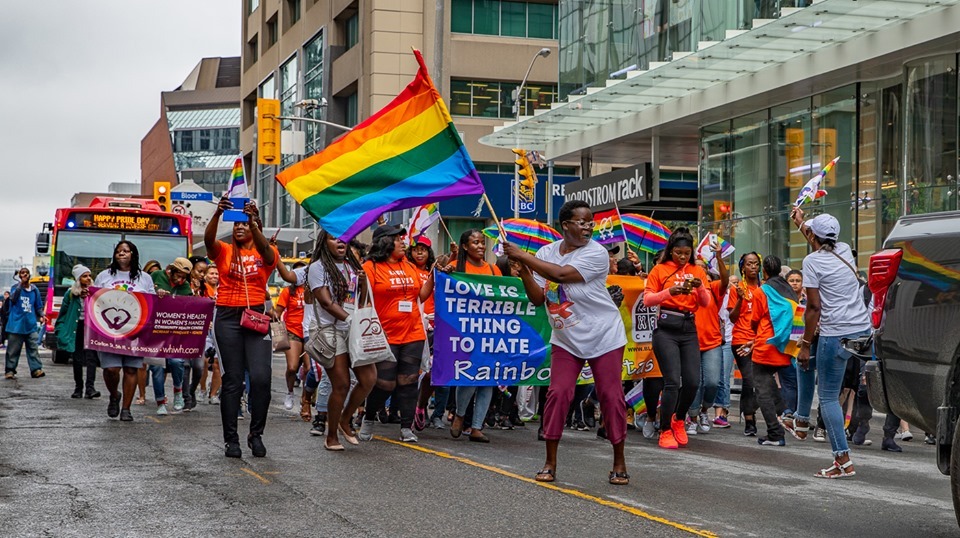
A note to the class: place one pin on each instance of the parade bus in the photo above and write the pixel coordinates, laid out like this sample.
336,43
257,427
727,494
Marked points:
88,235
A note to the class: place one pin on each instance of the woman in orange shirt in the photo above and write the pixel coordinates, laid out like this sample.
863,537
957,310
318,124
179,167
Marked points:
245,265
470,252
422,257
710,336
290,308
677,287
741,308
397,286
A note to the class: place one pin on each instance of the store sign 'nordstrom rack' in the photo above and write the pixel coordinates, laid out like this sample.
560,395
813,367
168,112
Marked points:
625,186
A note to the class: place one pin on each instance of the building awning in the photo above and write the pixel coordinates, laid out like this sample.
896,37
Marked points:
604,114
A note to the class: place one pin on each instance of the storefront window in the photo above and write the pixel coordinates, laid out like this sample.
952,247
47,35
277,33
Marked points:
931,135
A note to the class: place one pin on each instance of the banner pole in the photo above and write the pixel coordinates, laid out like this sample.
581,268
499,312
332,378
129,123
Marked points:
503,234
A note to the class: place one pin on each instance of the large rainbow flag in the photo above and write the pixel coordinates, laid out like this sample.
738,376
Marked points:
406,155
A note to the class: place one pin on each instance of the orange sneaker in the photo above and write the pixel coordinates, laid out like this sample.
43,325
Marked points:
679,431
667,440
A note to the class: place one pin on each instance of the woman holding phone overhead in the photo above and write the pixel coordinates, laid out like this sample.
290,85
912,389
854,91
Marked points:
245,265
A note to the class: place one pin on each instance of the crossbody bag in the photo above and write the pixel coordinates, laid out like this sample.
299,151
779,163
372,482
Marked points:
863,290
250,318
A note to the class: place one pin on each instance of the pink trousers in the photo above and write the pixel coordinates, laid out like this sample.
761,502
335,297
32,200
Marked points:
607,372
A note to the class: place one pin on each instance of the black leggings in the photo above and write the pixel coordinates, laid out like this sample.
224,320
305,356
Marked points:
83,359
399,379
652,387
748,390
192,371
678,354
771,402
242,350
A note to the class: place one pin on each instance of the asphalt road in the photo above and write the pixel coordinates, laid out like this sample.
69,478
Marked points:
68,470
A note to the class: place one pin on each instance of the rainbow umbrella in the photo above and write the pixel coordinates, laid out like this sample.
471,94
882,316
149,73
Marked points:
530,235
644,233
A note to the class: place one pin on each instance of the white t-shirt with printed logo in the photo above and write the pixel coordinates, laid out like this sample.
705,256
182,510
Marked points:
318,278
586,322
121,281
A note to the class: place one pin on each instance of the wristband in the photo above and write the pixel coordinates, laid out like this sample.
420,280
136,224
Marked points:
348,318
802,341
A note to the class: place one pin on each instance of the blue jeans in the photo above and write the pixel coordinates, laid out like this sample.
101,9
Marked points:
440,397
159,375
788,386
15,344
831,366
806,382
726,370
484,395
711,368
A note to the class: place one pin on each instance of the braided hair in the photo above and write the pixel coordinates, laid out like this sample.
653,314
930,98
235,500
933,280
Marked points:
462,251
743,259
339,287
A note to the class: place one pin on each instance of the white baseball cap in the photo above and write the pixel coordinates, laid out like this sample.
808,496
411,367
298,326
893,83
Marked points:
824,226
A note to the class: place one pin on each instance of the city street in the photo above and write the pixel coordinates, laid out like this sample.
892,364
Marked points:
68,470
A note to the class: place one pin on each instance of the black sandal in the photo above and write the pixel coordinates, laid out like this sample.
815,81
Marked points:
546,475
619,478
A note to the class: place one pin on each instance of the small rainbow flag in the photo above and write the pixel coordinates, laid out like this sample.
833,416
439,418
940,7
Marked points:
705,252
405,155
608,229
644,233
812,191
634,398
422,219
238,181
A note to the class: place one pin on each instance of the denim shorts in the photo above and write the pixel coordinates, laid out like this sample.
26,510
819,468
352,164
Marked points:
114,360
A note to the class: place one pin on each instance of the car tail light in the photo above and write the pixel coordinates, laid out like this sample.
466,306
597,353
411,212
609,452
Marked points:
883,271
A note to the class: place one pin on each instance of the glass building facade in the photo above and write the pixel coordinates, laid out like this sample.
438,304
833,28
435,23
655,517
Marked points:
897,142
205,144
603,39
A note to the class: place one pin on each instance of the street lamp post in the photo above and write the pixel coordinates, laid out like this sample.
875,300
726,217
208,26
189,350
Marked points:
517,99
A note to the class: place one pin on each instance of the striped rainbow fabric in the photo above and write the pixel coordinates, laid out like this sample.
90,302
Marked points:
238,181
406,155
644,233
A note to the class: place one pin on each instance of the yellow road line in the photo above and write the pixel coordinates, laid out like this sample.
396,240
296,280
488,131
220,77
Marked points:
573,492
252,473
157,420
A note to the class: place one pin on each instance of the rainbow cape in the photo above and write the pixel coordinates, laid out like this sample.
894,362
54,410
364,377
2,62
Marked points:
782,302
407,154
609,228
238,181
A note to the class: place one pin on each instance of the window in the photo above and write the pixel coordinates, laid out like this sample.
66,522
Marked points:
504,18
253,52
288,97
268,90
313,88
352,112
252,5
293,12
352,30
485,99
273,33
265,178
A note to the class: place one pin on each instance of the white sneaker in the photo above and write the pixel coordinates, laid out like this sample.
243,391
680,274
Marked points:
691,427
201,395
288,401
437,423
366,430
906,436
407,435
178,401
213,400
649,429
703,424
162,410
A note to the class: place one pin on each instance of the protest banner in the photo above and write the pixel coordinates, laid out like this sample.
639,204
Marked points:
639,322
144,325
488,333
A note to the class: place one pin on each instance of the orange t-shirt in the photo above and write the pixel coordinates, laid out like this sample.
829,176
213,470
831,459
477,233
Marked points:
396,286
230,292
764,353
742,331
485,269
657,281
428,306
708,319
292,304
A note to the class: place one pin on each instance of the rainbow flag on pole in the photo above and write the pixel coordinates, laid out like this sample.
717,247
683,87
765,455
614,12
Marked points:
406,155
422,219
608,227
238,181
634,399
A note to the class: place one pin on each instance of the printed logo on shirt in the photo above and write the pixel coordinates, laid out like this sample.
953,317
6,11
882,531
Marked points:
559,307
251,266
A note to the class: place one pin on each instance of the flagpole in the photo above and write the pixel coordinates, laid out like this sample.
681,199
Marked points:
622,229
503,234
445,227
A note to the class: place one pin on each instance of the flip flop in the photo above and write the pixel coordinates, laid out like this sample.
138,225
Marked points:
546,475
619,478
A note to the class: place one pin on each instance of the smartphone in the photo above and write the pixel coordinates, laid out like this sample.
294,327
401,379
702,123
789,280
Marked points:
237,215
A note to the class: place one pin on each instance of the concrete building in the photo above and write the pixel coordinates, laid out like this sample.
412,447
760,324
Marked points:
356,54
197,134
758,96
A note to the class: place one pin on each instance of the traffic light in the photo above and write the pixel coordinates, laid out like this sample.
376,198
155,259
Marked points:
268,131
528,177
161,194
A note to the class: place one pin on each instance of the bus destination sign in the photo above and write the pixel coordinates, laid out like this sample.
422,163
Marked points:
124,221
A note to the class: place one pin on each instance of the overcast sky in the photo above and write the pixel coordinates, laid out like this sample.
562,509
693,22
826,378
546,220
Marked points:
80,85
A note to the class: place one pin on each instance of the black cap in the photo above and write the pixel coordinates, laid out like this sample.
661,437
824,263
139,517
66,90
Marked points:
612,249
386,230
